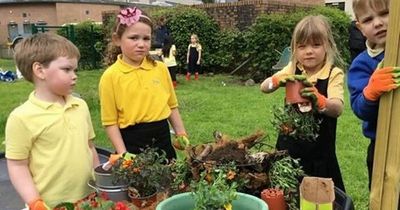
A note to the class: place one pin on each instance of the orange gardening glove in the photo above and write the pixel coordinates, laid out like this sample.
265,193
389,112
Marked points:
315,96
180,141
38,204
281,80
382,80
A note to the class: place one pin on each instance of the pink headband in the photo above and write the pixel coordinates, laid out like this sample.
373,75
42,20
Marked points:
130,16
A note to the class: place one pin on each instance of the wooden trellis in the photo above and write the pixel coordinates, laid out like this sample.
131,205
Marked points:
386,174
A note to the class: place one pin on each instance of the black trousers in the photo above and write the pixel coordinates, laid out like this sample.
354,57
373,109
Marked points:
143,135
172,72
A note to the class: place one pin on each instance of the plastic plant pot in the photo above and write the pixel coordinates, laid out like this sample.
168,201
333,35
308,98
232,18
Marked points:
274,198
293,95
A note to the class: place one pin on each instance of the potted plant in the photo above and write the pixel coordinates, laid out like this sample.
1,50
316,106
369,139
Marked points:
146,175
290,121
214,192
284,175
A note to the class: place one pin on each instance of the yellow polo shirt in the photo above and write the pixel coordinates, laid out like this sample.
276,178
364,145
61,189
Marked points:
54,139
335,84
131,95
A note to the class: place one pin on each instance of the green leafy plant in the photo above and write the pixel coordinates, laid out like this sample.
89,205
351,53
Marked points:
214,190
289,121
284,174
181,174
147,173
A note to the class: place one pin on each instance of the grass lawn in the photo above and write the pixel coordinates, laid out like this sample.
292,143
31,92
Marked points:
218,103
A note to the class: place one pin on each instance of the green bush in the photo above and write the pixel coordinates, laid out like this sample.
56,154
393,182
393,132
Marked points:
184,21
88,37
272,33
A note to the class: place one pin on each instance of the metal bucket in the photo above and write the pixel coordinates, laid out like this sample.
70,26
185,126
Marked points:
104,179
114,194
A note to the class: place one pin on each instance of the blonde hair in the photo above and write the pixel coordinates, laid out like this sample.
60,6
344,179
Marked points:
360,6
315,29
196,37
43,48
112,50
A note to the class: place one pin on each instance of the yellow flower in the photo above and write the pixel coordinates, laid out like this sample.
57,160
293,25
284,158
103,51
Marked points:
228,206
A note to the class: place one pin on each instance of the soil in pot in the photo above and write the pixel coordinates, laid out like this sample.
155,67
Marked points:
142,202
274,198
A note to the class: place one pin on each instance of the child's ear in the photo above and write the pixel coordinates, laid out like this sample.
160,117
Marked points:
38,70
358,25
116,39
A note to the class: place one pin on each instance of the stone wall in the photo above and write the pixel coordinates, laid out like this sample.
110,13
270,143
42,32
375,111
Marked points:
242,14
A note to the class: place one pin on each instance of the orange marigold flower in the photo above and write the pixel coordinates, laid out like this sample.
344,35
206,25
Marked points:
136,170
126,163
230,175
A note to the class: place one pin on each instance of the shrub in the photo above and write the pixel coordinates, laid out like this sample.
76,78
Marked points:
184,21
273,32
88,37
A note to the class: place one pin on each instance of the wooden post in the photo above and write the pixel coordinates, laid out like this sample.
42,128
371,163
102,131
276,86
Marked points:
385,187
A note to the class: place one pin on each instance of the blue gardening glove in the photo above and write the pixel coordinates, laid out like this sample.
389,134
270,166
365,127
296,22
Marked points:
315,96
181,141
381,81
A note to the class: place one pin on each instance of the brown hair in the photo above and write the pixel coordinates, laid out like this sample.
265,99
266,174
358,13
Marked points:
315,29
360,6
43,48
112,50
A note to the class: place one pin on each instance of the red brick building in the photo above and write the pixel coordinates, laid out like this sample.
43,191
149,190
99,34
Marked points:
16,17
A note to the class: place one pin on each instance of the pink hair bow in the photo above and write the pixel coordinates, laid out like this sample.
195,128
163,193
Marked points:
129,16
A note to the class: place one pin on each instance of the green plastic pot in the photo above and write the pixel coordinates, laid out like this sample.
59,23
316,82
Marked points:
185,201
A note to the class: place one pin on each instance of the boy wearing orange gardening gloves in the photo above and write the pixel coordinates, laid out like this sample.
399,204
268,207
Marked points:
367,80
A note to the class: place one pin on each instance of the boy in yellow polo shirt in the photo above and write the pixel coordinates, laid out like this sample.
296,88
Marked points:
49,149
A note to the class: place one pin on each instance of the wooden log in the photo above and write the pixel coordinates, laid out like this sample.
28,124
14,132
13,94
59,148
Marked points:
385,187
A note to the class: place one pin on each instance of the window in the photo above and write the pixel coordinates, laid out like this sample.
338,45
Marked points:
12,30
27,27
338,5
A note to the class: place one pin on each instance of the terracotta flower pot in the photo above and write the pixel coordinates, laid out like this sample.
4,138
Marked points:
293,95
142,202
274,198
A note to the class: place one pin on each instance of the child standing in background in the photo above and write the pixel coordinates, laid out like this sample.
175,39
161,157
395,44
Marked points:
137,97
193,57
366,80
313,55
168,55
49,149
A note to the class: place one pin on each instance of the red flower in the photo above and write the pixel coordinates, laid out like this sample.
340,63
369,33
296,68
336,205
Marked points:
121,206
104,196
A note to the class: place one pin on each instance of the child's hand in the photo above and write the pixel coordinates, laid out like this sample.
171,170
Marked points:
180,141
128,156
281,80
382,80
38,204
315,96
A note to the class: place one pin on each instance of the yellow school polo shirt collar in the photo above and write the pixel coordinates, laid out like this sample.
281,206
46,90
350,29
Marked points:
321,74
69,101
126,68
